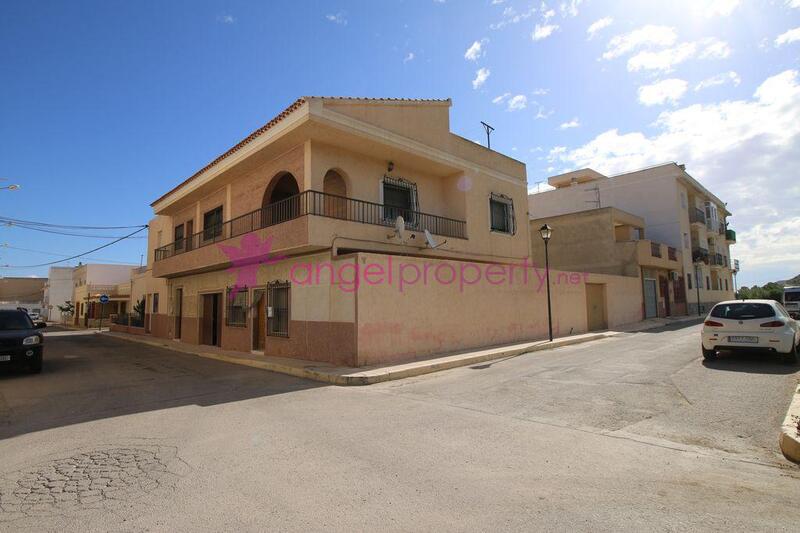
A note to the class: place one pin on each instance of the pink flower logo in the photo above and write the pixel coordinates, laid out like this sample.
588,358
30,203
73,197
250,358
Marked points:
247,258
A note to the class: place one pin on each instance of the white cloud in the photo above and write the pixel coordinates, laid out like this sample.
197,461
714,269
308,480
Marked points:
714,49
664,91
338,18
409,57
570,8
540,91
476,51
598,25
543,32
644,37
793,3
574,123
500,99
547,15
481,75
517,103
788,37
713,8
739,150
510,16
542,114
663,60
226,19
719,79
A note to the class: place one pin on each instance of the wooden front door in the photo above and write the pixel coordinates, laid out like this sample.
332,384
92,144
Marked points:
178,312
596,307
211,323
259,318
664,287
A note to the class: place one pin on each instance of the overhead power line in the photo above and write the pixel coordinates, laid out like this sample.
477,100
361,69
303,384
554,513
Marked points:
8,246
64,226
12,224
79,255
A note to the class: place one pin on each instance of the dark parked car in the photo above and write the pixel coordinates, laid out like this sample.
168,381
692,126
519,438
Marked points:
20,341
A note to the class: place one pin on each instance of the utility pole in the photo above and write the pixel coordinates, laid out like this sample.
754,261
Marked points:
489,131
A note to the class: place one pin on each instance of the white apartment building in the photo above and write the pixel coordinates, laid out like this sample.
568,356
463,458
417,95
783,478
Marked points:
57,291
678,211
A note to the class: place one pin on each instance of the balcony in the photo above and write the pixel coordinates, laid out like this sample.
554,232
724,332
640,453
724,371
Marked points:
657,255
295,231
730,236
696,216
700,255
716,260
721,229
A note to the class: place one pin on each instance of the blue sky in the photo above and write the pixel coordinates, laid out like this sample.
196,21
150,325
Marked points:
106,105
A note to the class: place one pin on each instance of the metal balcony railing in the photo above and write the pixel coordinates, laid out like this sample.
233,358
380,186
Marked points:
672,253
700,255
696,215
655,249
319,204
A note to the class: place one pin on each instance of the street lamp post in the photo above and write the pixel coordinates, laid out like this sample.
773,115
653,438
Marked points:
697,273
546,232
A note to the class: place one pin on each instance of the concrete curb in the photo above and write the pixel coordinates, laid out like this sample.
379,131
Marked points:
790,431
346,376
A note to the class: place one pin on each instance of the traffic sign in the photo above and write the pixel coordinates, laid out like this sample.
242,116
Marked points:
104,299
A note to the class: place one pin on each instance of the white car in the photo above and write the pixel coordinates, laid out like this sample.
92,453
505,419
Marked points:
751,325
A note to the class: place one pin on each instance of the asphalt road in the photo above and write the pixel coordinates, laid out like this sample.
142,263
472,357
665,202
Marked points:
630,433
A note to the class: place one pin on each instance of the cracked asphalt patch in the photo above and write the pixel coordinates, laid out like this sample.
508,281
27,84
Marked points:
100,477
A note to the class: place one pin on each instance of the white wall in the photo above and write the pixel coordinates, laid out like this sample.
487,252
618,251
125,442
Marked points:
57,291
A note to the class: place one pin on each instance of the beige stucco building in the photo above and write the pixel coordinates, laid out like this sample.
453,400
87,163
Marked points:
360,231
90,282
608,240
678,212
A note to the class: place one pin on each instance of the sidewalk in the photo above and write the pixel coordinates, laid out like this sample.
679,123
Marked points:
363,375
368,375
652,323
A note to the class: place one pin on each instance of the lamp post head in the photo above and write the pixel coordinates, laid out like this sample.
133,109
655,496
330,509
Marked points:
545,231
12,187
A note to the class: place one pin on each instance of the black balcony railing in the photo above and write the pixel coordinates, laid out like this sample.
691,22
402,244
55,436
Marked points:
655,249
672,253
700,255
697,215
320,204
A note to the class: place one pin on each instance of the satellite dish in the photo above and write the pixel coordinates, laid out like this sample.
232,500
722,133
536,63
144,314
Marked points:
399,228
432,244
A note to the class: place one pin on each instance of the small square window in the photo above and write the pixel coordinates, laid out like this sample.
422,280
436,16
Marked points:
399,199
501,213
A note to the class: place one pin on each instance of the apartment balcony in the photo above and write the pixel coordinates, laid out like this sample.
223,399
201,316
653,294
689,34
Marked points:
700,255
717,260
304,222
730,236
657,255
696,216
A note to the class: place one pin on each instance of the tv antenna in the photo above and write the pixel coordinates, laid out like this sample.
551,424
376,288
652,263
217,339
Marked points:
489,131
432,244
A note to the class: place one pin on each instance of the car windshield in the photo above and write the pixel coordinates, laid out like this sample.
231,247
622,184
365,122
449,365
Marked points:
14,320
743,311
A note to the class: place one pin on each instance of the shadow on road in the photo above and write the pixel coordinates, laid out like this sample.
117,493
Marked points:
751,362
91,377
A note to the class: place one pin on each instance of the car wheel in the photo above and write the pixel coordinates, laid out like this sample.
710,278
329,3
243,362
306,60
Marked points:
35,366
791,357
708,355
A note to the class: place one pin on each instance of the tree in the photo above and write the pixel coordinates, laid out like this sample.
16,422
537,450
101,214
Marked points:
139,308
68,309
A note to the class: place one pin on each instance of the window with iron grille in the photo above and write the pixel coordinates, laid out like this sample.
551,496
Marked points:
399,199
501,214
155,303
212,223
236,308
278,300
